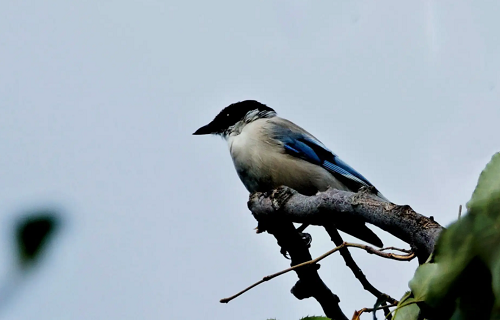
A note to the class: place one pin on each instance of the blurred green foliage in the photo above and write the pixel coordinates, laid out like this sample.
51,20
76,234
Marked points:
461,279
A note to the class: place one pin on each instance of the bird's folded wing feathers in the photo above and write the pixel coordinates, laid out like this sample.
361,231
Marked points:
299,143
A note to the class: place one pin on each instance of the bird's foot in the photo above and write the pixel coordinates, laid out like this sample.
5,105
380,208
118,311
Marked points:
306,238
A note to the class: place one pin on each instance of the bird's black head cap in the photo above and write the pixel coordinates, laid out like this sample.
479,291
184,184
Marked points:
247,110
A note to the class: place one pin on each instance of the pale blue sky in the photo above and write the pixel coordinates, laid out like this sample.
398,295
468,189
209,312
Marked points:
98,101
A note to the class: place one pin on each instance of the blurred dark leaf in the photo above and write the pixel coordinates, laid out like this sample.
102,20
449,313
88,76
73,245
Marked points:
32,234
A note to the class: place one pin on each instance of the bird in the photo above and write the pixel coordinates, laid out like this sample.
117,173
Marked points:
269,151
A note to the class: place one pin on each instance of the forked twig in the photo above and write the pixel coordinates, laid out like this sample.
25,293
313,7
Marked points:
356,270
395,249
368,249
357,314
407,257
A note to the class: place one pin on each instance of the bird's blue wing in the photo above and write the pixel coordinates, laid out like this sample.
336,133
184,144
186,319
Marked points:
302,145
315,152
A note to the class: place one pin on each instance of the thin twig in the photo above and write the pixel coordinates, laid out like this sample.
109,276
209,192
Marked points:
395,249
371,250
459,212
321,257
387,312
357,314
356,270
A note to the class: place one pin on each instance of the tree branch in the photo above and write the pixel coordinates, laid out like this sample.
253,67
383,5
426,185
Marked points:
334,205
357,314
309,283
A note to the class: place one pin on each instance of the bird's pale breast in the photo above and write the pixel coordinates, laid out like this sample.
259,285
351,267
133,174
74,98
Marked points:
263,165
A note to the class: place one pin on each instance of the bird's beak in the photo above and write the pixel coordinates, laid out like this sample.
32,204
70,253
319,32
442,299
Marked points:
203,130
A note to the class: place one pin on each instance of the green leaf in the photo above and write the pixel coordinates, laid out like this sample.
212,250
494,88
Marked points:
407,308
487,192
462,279
32,234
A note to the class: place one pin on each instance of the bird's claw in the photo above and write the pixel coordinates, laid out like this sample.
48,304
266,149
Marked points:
306,238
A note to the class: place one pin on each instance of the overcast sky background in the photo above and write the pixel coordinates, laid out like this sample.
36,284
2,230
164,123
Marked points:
98,101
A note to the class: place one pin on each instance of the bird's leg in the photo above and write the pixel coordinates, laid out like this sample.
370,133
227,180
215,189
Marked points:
306,237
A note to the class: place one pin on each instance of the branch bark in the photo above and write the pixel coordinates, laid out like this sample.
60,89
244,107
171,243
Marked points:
309,283
335,206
